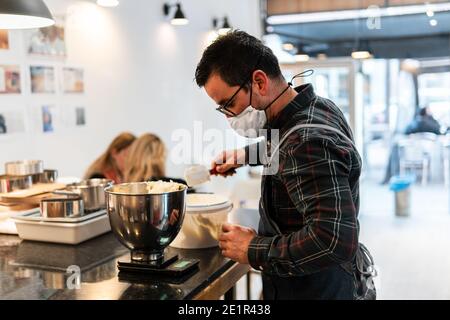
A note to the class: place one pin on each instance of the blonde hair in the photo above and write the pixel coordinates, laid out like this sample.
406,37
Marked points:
106,160
146,159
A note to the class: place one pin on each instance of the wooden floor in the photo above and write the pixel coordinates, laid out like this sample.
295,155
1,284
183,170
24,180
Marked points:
412,253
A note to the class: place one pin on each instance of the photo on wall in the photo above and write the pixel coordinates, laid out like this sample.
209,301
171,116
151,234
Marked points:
4,40
73,116
73,80
80,116
48,41
12,120
3,127
9,79
48,118
42,79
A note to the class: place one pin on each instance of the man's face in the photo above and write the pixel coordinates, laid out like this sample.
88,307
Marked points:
221,92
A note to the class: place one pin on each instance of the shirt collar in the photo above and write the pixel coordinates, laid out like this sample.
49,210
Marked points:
305,95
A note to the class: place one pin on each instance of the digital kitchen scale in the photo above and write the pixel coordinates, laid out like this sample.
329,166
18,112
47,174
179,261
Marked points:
168,268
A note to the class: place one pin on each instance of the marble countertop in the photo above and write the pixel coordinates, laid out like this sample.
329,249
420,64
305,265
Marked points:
37,270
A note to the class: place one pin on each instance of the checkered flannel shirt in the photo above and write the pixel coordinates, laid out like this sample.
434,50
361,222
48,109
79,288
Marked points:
314,197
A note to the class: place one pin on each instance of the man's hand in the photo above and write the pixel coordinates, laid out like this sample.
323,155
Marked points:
228,160
234,242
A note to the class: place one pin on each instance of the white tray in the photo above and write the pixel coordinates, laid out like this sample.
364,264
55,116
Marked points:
62,232
36,216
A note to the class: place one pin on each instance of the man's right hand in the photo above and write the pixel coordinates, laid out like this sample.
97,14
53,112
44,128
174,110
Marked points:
228,160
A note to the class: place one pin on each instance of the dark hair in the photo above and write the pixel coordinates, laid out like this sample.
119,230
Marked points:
423,112
233,57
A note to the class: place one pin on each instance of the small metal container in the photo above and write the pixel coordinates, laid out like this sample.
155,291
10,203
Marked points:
91,191
13,183
62,207
48,176
23,168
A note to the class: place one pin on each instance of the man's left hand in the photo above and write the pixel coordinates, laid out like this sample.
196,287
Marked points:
234,242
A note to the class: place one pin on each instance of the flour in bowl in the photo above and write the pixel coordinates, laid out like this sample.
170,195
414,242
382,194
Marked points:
163,186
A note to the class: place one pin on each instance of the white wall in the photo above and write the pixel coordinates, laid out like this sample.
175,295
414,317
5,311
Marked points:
139,77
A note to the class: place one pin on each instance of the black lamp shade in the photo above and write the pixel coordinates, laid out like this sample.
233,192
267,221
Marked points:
23,14
179,18
226,24
179,13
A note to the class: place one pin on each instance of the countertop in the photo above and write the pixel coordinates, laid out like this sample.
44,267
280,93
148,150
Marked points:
37,270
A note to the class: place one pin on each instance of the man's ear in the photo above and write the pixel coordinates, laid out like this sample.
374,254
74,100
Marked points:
262,80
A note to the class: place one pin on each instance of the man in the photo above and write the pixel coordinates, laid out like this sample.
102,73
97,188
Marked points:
423,122
308,234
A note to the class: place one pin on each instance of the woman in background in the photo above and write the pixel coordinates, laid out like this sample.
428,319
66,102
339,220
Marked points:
146,160
111,163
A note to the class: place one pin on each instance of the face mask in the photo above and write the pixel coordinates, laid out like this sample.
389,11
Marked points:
249,122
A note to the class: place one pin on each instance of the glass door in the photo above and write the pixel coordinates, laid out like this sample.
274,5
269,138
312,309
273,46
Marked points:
335,79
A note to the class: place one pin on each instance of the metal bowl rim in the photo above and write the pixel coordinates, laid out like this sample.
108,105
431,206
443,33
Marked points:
73,199
83,184
141,194
27,162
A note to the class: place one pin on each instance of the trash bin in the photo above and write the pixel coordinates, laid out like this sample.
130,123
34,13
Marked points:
401,185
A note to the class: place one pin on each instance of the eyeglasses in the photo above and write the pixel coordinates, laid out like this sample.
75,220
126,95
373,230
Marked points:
224,107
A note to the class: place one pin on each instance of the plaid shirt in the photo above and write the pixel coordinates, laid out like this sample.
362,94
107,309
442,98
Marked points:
309,208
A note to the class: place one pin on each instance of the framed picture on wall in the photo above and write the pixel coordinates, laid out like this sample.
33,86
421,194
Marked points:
42,79
4,40
3,127
48,116
9,79
12,120
73,116
73,80
48,41
80,117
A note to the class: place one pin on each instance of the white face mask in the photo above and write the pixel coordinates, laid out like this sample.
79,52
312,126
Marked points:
249,122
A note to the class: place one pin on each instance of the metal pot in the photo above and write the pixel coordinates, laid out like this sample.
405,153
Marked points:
23,168
63,207
13,183
48,176
145,222
91,191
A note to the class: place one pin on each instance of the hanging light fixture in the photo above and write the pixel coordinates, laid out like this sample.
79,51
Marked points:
226,26
301,55
361,50
24,14
179,18
287,46
108,3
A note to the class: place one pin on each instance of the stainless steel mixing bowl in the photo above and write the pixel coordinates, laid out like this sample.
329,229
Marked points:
145,223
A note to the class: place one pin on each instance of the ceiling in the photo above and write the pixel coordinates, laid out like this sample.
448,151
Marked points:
408,36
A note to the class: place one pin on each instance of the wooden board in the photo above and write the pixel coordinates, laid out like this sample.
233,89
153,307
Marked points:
34,200
23,195
18,207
